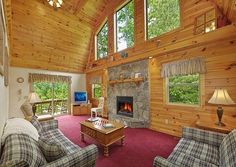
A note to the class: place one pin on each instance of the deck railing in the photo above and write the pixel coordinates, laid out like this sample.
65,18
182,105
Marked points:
54,107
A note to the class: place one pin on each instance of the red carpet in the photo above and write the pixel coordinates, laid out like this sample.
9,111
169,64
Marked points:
140,146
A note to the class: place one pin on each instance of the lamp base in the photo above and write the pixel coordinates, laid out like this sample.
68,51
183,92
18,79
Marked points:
220,124
220,114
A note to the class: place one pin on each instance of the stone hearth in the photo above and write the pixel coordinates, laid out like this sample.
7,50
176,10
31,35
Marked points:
139,92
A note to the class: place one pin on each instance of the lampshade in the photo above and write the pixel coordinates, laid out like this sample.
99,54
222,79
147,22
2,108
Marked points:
222,97
33,98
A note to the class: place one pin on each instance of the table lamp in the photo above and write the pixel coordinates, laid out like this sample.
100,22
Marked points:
33,98
220,97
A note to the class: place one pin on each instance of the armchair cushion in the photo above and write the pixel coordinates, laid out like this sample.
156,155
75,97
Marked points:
181,159
202,151
52,150
204,136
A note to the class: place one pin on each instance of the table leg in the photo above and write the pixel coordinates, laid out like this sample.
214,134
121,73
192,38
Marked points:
106,151
82,137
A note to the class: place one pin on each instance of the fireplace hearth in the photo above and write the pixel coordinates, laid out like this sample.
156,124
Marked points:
125,105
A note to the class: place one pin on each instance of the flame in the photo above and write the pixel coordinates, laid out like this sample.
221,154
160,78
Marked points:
127,107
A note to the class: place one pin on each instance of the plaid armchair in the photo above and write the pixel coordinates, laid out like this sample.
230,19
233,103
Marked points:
201,148
22,150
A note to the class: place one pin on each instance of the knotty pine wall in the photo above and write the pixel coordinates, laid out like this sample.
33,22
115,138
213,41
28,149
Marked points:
220,61
44,38
104,77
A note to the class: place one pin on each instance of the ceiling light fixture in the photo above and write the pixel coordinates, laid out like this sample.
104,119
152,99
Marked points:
55,3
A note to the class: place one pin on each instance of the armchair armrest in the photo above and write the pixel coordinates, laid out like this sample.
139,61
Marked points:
208,137
162,162
49,124
81,158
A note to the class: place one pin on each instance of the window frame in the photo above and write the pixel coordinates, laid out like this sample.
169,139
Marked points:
167,90
115,25
166,33
93,92
96,40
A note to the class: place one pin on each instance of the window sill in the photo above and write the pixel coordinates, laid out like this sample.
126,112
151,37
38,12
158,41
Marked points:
179,105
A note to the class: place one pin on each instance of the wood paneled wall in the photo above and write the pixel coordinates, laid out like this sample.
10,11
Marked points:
104,76
44,38
218,48
220,61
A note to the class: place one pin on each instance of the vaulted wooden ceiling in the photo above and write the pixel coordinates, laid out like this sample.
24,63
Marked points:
61,40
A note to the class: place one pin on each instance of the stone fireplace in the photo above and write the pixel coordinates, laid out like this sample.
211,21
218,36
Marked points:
124,105
129,102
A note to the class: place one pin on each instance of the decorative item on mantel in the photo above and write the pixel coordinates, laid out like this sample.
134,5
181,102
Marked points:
137,75
220,97
123,54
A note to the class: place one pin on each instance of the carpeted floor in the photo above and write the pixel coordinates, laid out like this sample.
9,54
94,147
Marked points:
140,146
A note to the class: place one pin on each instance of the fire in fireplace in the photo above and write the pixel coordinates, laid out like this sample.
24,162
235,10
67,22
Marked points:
125,105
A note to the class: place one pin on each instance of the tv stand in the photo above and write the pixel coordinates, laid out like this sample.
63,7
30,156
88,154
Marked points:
81,109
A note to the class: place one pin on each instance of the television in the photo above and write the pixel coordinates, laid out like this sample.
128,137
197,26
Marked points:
80,97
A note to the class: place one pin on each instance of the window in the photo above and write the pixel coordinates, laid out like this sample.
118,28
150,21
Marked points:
102,42
125,27
206,22
184,89
162,16
54,97
96,90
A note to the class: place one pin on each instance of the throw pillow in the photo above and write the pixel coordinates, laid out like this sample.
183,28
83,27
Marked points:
37,124
51,150
26,108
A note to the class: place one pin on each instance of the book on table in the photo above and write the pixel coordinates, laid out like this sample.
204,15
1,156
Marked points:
108,125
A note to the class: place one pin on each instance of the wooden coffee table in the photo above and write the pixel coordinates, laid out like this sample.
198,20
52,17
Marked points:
104,136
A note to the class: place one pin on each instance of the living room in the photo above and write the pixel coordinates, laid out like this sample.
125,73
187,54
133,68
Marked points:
161,73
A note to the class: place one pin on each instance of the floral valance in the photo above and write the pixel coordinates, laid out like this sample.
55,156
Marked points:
33,77
183,67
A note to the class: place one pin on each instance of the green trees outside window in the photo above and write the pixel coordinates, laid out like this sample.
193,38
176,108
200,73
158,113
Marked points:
54,97
162,16
184,89
102,42
125,26
97,90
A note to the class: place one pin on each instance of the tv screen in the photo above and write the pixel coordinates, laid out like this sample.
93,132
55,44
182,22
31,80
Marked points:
80,97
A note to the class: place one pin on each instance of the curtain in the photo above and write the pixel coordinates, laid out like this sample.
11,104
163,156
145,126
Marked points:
96,80
35,77
49,78
183,67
